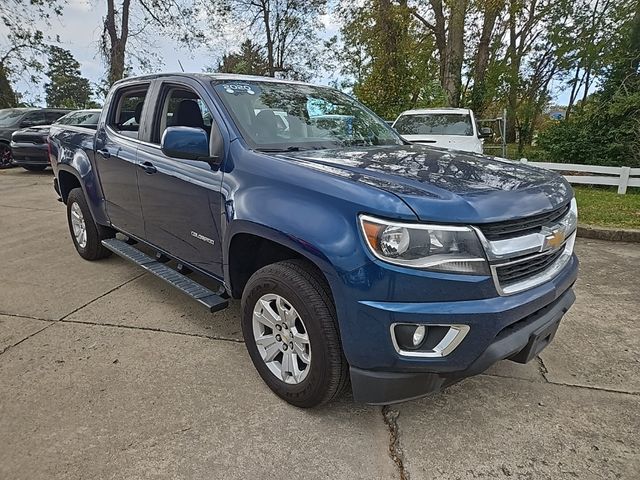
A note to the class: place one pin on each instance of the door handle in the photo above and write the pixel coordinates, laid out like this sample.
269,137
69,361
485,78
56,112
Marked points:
104,152
148,167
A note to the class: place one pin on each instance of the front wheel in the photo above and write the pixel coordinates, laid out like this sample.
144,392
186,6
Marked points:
86,234
290,330
6,158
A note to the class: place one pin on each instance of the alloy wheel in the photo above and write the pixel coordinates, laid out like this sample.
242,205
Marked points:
79,225
282,339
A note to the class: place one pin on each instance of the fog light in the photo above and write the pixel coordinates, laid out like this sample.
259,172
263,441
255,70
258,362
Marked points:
410,336
418,335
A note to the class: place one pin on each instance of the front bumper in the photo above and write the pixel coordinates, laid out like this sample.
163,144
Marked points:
30,153
520,342
500,327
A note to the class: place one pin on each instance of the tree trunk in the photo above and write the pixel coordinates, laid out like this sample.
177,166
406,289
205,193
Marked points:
117,42
440,33
492,8
267,29
455,53
514,75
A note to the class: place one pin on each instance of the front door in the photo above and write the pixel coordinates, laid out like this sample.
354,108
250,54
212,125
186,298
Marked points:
116,156
181,199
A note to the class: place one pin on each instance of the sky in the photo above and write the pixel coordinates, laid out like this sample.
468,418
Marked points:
80,27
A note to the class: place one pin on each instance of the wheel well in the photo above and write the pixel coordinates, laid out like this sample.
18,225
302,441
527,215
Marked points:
67,182
249,253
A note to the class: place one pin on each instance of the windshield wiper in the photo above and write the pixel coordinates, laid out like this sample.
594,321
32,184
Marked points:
276,150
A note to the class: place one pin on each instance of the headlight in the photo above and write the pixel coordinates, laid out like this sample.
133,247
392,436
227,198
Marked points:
440,248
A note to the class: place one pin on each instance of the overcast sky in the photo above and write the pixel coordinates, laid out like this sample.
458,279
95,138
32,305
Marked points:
80,28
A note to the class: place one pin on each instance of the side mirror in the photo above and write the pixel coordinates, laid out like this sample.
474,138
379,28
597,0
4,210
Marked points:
27,123
485,132
187,143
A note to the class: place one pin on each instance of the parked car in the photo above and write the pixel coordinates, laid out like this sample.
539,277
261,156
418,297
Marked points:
29,145
453,128
355,255
12,119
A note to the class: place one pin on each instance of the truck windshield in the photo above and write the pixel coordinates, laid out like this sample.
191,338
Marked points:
278,116
434,124
9,117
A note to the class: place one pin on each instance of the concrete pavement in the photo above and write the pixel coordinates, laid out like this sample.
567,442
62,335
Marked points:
106,372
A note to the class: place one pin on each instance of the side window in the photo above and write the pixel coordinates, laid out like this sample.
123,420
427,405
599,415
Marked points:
53,116
34,118
125,118
181,108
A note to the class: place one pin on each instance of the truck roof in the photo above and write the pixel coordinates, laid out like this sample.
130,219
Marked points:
422,111
211,76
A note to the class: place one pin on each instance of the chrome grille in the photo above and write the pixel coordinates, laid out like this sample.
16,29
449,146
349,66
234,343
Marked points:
522,226
525,268
29,138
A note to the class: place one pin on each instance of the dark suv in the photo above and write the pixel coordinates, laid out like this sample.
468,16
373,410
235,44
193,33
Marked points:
29,145
13,119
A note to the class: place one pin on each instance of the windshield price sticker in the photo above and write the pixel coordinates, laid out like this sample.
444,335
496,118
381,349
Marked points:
238,88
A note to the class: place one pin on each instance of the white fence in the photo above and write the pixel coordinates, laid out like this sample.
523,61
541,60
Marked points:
623,177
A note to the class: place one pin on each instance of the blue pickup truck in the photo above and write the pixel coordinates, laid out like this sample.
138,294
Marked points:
359,259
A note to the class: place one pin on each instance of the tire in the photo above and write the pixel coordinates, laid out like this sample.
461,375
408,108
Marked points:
34,168
88,246
6,157
302,288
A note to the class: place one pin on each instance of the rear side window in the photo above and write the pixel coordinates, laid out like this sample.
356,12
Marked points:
129,103
53,116
34,118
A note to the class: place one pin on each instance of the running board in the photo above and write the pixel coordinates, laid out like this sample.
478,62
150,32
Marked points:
210,299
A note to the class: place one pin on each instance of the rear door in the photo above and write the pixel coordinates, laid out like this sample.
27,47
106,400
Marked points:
116,152
181,199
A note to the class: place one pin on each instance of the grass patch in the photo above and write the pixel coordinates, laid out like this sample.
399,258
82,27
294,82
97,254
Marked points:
604,207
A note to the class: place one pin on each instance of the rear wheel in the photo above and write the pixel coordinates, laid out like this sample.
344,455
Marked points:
34,168
6,158
87,236
290,330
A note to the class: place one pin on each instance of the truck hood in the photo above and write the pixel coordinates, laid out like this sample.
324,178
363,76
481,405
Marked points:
446,186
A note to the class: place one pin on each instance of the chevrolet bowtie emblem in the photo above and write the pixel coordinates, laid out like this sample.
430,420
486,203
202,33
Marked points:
554,240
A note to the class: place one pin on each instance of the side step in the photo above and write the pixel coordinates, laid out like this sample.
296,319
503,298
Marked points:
210,299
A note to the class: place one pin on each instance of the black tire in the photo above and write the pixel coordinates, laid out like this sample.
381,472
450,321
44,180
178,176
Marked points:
304,289
6,157
34,168
93,249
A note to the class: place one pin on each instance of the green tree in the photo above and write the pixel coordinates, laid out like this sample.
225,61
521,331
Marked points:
8,97
389,57
286,29
250,60
66,86
606,129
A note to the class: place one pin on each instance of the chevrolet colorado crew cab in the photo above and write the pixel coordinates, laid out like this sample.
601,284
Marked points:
359,258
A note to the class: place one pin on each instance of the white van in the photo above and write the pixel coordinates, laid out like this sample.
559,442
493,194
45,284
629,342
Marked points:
453,128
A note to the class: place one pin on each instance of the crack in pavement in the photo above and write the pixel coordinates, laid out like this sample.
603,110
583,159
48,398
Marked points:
572,385
157,330
390,417
542,367
101,295
30,317
31,208
27,337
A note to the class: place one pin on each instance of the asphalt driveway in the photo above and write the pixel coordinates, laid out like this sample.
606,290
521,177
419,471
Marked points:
108,373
